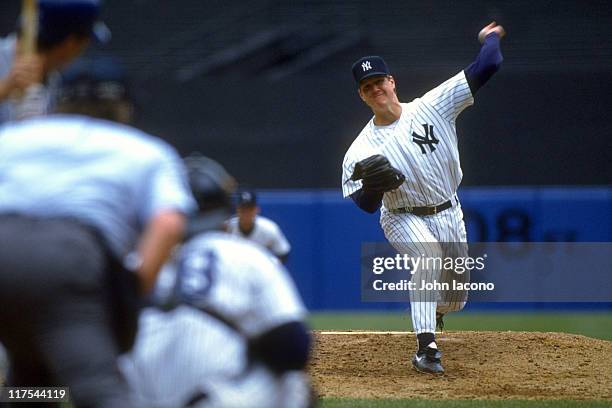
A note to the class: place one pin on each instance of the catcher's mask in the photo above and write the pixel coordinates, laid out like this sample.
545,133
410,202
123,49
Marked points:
213,188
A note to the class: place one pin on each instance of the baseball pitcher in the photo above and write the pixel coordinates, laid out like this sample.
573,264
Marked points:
405,161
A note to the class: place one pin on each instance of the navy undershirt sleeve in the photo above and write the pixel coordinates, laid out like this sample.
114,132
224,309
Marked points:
487,63
367,201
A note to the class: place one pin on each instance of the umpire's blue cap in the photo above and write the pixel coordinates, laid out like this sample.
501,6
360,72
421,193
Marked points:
60,18
369,66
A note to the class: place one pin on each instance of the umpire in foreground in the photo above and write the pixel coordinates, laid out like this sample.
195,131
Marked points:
79,198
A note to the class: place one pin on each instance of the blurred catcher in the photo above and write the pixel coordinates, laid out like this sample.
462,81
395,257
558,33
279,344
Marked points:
89,212
232,333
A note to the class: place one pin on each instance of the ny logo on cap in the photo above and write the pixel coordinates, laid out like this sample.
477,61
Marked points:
366,66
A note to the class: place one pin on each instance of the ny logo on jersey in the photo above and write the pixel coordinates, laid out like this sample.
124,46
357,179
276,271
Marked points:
429,139
366,66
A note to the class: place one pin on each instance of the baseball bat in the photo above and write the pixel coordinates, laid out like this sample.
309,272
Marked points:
29,26
29,36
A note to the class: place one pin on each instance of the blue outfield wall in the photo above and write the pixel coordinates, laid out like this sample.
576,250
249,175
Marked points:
326,232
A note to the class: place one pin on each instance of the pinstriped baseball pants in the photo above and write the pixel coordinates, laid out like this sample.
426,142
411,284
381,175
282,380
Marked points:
439,236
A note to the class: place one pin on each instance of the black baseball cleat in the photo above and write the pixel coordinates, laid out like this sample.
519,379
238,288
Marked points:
440,321
428,361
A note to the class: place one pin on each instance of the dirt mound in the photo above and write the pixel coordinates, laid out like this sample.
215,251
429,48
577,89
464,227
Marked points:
484,365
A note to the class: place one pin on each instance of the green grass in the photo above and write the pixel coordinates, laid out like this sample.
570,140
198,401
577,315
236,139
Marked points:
592,324
386,403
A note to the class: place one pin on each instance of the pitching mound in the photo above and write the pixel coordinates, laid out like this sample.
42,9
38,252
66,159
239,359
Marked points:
485,365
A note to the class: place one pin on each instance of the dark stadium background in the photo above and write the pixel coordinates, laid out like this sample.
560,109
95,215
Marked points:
265,86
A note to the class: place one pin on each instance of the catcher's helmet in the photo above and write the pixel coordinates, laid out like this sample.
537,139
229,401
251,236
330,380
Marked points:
213,188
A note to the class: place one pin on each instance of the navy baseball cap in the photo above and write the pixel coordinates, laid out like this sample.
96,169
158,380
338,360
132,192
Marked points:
369,66
247,199
57,19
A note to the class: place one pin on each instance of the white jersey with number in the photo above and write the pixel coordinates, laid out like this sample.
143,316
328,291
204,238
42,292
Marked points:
187,351
266,233
422,144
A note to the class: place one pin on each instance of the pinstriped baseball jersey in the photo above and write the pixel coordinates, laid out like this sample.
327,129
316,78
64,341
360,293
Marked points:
182,353
37,100
265,232
187,350
422,144
239,281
